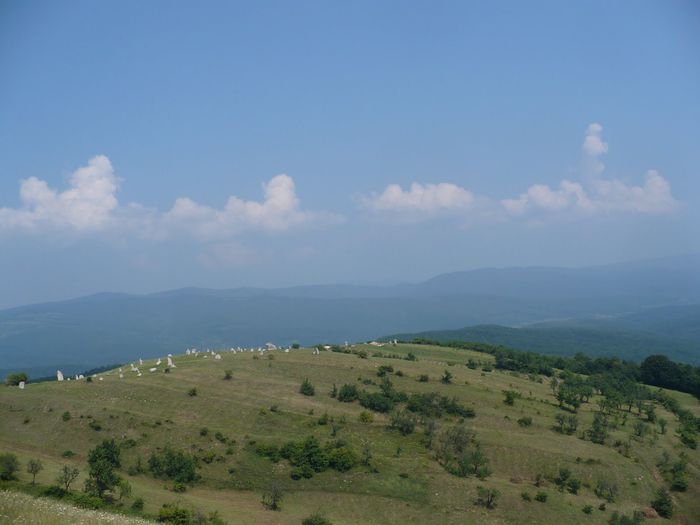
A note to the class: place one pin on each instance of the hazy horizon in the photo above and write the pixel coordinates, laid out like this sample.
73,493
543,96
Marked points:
282,145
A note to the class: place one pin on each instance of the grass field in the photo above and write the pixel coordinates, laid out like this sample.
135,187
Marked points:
408,487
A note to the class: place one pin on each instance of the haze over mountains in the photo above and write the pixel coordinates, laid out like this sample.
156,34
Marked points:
632,309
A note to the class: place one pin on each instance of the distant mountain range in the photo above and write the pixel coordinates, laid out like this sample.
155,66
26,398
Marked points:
641,305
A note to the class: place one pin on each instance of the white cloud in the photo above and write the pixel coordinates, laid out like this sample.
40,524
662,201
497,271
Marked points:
278,211
654,196
90,205
87,205
593,143
426,198
540,196
593,147
598,195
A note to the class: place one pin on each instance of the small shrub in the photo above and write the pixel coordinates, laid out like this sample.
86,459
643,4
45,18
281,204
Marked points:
137,505
383,370
65,416
526,496
192,392
172,513
446,377
307,388
587,509
179,487
663,504
487,497
402,421
366,417
510,397
87,501
606,490
573,485
376,401
9,466
541,497
16,378
272,497
348,393
175,465
423,378
228,374
525,421
342,459
316,519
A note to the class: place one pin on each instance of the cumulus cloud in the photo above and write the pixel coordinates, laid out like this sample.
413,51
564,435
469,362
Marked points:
540,196
87,205
426,198
593,147
593,194
278,211
90,204
653,196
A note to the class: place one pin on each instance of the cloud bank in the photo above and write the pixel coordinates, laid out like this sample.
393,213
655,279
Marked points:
421,198
90,205
597,194
594,195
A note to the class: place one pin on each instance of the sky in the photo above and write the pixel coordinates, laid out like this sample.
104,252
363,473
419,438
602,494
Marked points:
147,146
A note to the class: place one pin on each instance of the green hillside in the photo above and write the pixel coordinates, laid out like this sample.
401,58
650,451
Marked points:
603,339
234,428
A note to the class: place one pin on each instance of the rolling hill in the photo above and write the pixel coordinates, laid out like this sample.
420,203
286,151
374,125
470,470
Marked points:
234,428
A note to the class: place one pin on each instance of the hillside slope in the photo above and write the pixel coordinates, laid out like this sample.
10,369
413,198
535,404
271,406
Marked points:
227,421
596,339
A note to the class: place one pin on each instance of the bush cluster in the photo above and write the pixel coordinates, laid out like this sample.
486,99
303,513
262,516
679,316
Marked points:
308,456
174,465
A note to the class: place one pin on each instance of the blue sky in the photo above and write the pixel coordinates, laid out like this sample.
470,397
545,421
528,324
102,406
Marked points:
154,145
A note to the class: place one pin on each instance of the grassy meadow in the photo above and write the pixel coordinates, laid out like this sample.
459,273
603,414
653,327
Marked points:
261,404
